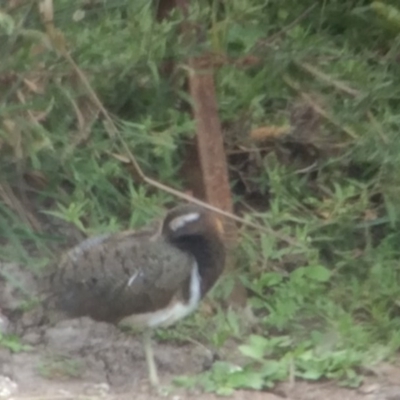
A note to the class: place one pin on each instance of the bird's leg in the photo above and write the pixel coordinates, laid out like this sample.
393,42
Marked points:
151,365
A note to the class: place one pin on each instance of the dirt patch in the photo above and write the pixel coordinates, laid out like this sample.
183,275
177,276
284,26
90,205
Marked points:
80,352
86,359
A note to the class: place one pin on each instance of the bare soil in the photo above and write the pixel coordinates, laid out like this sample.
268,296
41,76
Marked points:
85,359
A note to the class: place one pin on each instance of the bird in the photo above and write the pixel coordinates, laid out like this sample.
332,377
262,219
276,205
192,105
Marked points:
143,279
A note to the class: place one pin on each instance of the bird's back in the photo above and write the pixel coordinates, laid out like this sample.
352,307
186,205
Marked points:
112,277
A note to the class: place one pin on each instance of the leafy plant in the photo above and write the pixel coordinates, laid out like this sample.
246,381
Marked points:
13,343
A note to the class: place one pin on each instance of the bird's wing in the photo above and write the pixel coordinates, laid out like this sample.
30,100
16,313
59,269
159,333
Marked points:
113,276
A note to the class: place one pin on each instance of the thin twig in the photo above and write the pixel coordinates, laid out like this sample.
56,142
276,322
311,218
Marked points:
322,76
9,198
317,108
287,28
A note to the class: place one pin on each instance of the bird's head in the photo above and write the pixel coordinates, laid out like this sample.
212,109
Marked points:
199,232
191,220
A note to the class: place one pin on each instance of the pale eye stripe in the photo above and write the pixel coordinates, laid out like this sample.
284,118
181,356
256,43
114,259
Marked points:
181,221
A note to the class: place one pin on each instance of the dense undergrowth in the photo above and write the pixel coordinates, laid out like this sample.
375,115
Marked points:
309,101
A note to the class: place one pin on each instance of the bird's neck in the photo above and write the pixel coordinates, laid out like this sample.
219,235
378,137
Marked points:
209,254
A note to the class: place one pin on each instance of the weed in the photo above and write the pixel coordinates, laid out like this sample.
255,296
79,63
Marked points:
56,367
13,343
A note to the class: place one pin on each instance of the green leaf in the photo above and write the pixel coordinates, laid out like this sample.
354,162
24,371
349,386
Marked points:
256,347
317,273
270,279
246,379
311,374
251,352
7,23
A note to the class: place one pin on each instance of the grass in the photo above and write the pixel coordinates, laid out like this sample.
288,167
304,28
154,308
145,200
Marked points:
328,308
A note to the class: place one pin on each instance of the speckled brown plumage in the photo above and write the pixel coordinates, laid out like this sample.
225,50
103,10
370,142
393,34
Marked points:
93,277
95,281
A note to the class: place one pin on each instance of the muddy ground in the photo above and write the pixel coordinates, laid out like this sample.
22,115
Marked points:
83,359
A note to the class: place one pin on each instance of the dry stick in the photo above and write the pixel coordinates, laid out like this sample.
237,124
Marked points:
322,76
327,79
59,45
286,28
9,198
294,85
